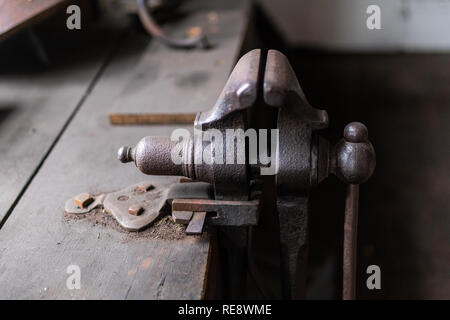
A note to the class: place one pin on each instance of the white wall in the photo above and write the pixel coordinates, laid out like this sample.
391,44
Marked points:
409,25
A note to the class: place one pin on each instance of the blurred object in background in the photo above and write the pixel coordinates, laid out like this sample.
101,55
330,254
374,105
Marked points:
406,25
15,15
130,6
151,12
405,101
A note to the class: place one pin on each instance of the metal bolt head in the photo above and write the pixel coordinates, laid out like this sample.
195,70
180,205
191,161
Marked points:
135,210
144,188
355,157
83,200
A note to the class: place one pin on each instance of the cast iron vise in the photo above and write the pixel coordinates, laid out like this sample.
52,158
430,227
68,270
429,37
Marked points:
263,93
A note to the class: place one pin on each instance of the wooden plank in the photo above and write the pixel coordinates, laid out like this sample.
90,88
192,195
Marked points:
37,101
37,244
19,13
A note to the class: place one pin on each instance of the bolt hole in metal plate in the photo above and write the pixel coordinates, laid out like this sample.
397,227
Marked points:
123,198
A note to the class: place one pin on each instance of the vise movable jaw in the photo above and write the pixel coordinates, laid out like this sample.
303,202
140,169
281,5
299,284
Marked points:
263,92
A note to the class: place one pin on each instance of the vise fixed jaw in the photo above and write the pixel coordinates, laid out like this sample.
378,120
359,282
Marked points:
263,93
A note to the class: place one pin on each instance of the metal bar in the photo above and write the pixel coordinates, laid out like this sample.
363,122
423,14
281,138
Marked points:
228,213
196,224
350,244
146,118
293,221
182,217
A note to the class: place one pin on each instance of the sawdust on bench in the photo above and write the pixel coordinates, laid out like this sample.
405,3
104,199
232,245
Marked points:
163,228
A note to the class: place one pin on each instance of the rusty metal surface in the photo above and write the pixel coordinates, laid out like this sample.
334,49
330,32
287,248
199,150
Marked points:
152,155
158,149
353,161
15,14
296,122
231,181
152,202
158,118
182,217
353,156
350,242
83,200
196,224
227,213
240,91
303,159
72,207
137,206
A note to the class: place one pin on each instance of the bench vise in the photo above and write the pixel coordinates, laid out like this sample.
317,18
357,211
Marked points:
262,96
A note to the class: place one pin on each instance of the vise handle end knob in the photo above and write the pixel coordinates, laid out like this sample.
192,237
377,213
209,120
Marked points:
125,154
354,157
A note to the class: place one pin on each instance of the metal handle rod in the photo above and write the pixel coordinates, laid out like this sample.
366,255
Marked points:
350,242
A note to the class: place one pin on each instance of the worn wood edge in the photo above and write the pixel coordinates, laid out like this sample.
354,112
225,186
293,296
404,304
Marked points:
32,19
148,118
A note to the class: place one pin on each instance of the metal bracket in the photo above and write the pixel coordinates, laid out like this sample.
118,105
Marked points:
137,206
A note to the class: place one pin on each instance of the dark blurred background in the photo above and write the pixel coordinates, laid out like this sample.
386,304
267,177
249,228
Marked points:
404,219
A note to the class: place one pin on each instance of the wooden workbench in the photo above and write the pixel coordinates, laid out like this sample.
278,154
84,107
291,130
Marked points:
56,141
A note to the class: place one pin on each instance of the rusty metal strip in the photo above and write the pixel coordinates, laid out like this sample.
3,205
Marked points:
228,213
147,118
197,223
350,242
182,217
